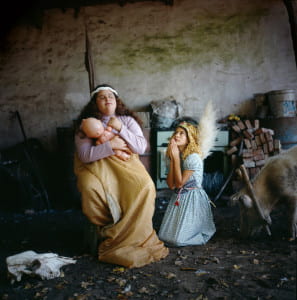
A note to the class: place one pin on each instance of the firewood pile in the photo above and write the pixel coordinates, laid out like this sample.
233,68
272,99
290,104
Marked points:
251,144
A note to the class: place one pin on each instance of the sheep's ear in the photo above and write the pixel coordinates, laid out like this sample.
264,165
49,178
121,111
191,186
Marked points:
246,201
234,199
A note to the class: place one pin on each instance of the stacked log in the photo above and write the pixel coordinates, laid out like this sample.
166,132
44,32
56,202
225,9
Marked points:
258,144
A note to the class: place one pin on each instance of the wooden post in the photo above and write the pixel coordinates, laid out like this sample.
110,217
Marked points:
253,196
89,62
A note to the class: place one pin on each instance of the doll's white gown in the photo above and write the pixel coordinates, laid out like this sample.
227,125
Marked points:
188,219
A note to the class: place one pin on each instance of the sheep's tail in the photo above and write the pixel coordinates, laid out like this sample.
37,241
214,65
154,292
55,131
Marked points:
207,130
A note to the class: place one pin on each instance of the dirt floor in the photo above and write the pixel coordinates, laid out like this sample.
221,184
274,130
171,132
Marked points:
225,268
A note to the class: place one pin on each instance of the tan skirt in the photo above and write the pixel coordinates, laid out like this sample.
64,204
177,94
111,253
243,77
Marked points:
119,197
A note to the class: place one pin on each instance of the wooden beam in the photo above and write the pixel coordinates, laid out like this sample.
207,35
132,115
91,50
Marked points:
291,6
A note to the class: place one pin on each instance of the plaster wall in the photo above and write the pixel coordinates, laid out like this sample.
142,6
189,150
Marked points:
193,51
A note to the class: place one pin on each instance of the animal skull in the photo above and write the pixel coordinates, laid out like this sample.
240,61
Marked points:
45,265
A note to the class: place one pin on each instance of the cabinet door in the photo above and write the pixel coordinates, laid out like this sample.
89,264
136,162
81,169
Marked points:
162,162
222,139
163,138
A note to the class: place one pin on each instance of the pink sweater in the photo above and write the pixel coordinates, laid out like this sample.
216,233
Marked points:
130,132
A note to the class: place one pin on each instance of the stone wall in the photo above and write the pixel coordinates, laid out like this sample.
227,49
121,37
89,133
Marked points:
192,51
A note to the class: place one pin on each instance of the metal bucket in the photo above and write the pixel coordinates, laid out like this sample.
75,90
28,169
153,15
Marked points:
285,129
260,99
261,105
282,103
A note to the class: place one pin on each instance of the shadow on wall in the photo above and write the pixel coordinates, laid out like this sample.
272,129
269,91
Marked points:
32,179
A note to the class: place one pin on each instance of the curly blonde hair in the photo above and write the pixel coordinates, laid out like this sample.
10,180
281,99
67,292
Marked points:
193,136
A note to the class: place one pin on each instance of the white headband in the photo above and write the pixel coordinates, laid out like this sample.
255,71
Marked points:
103,88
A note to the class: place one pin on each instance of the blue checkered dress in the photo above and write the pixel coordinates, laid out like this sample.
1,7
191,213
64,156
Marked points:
188,219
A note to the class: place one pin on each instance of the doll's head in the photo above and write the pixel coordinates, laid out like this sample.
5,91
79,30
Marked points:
92,127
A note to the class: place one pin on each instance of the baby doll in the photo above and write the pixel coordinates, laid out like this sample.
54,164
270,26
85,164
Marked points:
93,128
